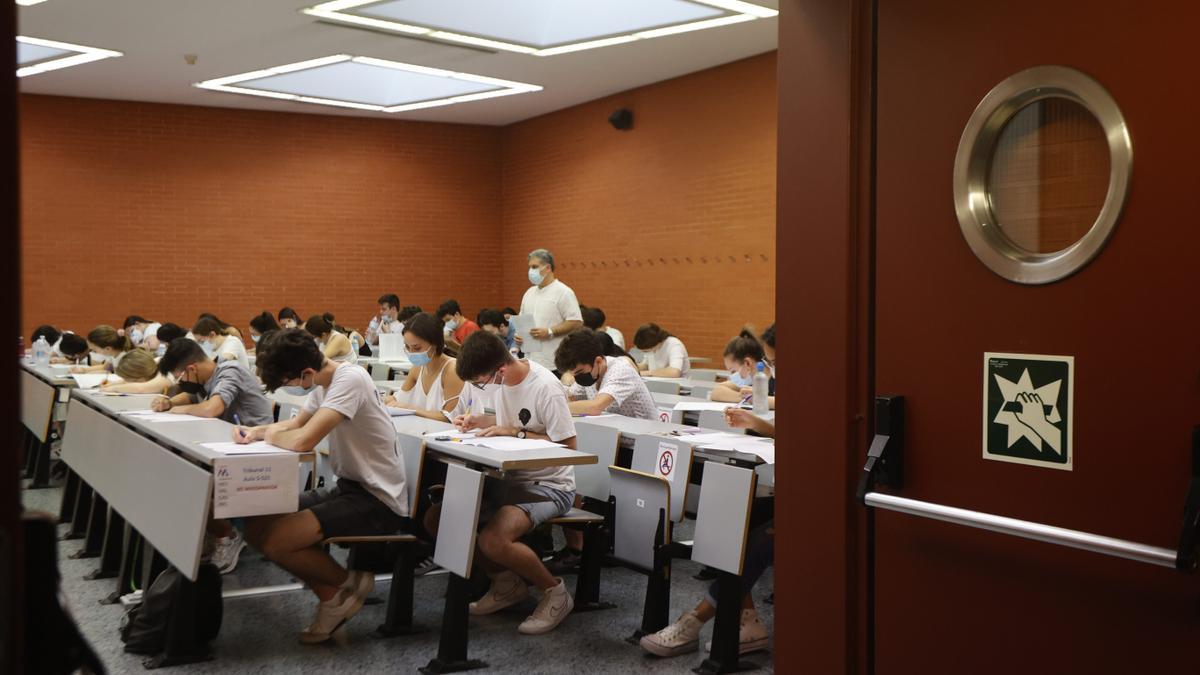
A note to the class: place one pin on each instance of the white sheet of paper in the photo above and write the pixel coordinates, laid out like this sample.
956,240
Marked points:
511,443
765,451
451,434
156,417
701,405
255,448
522,324
391,347
256,485
93,380
400,412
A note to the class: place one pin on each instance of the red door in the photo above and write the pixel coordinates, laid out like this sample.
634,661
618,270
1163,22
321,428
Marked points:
949,599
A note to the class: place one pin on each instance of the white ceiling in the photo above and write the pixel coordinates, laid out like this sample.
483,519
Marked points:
236,36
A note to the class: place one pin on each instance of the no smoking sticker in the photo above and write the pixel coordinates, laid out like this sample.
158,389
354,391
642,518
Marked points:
1028,406
665,463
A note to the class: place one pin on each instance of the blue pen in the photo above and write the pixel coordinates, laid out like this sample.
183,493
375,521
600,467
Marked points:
238,421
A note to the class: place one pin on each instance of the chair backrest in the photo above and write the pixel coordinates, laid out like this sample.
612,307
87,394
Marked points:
380,372
715,419
412,451
455,548
702,374
391,347
723,517
592,480
701,390
670,459
662,387
641,516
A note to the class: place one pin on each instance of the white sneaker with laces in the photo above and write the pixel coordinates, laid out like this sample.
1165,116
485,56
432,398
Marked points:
331,614
226,552
753,635
554,606
507,590
681,637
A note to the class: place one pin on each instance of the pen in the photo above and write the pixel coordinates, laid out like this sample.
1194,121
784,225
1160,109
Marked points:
238,421
745,400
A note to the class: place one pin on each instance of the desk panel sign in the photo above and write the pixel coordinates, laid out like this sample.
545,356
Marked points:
664,465
1028,406
255,485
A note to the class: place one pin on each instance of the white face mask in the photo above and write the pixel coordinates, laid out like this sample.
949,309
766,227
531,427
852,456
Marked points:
136,336
256,338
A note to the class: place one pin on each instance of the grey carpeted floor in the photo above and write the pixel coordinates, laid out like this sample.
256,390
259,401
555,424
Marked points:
259,634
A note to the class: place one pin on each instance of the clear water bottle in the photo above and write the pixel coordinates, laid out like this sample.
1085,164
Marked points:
761,390
41,351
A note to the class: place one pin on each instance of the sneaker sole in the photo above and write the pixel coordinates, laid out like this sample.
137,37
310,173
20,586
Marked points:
667,652
307,638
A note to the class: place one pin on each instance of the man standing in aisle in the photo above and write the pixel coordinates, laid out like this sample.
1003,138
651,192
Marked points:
554,308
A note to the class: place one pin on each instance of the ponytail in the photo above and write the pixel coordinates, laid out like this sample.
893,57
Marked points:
745,346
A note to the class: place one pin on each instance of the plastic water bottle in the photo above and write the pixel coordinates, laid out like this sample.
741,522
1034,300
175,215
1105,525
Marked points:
761,389
41,351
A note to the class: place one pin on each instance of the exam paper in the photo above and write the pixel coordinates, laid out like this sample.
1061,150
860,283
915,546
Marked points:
93,380
522,324
156,417
511,443
701,405
255,448
453,435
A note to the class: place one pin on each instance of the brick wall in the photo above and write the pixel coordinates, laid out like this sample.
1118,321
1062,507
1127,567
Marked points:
672,221
185,209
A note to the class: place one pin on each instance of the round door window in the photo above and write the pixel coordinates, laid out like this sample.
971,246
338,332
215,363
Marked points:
1041,174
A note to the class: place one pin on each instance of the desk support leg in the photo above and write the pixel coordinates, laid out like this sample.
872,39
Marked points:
181,644
93,538
79,514
725,657
67,510
399,618
131,556
587,584
110,551
452,649
27,442
41,467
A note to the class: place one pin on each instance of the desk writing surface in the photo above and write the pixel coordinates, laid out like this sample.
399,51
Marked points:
47,374
415,425
37,404
509,460
633,426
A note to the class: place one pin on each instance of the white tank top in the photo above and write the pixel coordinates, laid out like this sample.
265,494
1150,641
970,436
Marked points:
351,357
420,399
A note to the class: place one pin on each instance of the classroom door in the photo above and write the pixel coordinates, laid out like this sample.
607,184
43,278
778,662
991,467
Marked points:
950,599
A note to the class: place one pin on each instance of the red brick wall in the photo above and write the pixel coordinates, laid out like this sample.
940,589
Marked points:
186,209
672,221
168,211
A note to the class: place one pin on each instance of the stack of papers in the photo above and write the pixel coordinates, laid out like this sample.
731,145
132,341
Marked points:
93,380
511,443
255,448
702,405
151,416
764,448
451,435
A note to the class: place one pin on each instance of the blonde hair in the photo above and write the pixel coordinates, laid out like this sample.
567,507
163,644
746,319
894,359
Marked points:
137,366
107,336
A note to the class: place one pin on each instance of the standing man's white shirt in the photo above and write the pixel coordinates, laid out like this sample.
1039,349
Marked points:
542,395
363,448
671,354
550,306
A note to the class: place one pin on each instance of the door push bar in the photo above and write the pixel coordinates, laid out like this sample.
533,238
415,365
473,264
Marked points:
885,466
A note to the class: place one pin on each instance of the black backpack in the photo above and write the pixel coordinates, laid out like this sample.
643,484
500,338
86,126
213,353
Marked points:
144,627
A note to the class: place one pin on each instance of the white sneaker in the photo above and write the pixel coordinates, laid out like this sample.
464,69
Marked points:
427,565
330,616
507,590
226,552
681,637
752,634
554,606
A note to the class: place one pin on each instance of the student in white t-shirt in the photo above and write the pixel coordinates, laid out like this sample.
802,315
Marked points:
529,404
371,497
554,308
387,320
665,354
217,343
594,318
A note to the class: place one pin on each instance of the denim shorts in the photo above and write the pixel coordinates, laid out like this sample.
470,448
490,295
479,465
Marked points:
539,502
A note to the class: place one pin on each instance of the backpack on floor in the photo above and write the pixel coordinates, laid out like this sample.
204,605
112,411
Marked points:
144,627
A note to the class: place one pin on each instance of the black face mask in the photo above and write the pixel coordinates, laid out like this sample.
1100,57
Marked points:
585,379
194,388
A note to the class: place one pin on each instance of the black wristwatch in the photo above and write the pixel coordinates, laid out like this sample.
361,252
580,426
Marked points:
521,433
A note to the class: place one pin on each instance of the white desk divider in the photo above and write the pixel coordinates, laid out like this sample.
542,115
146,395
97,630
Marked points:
391,348
592,480
715,419
701,390
638,500
723,517
455,549
412,448
662,387
703,374
380,372
37,404
670,459
165,497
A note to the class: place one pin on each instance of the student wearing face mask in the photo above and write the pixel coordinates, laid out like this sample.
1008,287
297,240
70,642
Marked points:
602,384
217,344
166,333
334,344
432,387
554,308
261,324
142,332
107,347
494,322
387,320
289,318
742,356
371,497
665,354
457,326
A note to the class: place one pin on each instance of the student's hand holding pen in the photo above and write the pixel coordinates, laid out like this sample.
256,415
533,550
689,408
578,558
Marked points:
160,404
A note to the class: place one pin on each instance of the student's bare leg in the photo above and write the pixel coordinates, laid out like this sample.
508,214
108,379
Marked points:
290,541
220,528
499,543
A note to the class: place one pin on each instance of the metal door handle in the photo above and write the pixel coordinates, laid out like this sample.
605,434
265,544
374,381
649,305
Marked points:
884,467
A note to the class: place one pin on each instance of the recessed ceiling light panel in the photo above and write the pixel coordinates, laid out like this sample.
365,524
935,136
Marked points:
540,27
26,3
35,55
366,83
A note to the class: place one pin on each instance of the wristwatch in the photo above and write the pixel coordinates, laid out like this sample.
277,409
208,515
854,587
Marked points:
550,331
521,433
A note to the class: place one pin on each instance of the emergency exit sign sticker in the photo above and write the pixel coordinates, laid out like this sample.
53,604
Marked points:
1028,401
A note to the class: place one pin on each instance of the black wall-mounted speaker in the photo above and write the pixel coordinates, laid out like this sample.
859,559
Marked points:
621,119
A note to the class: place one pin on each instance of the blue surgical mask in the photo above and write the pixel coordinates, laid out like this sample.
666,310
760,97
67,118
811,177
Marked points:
535,276
740,380
256,338
419,359
162,349
300,389
135,336
451,324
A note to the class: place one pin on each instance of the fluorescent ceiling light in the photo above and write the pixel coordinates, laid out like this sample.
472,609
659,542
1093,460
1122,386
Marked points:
540,27
26,3
366,83
35,55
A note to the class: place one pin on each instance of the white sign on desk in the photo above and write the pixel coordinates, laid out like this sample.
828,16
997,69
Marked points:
664,465
255,485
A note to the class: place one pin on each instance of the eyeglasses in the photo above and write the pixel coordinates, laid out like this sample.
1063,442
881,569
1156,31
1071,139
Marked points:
482,386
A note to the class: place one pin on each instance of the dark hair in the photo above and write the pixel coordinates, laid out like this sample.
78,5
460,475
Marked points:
579,347
509,311
390,299
319,324
106,336
482,353
181,352
47,331
289,313
648,335
593,317
264,322
429,328
132,319
208,324
408,312
210,315
448,307
72,344
491,317
168,332
744,346
283,354
768,336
